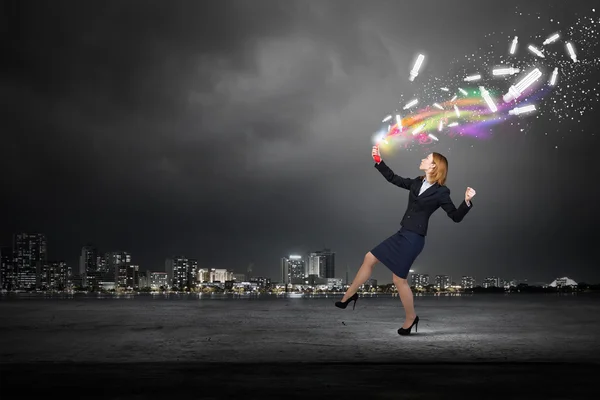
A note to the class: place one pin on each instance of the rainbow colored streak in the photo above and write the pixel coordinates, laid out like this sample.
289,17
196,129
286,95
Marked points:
474,120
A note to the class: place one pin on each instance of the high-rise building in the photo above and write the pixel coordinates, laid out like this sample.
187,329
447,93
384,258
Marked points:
221,275
419,280
213,275
442,281
321,263
30,258
178,271
492,281
104,273
88,266
8,274
315,265
285,271
118,264
132,277
144,278
203,275
192,276
159,280
59,276
467,282
292,270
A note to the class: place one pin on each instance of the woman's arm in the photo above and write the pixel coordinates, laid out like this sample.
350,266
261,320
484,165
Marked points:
456,214
391,177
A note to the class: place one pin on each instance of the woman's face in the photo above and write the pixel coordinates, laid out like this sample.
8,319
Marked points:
427,163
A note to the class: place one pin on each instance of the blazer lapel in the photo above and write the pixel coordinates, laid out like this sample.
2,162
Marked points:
417,188
429,191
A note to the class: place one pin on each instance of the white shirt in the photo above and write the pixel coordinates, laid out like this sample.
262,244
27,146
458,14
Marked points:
426,185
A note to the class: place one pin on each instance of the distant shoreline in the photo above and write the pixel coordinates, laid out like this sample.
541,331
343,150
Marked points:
173,295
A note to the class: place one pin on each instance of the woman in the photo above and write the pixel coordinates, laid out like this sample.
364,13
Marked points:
426,194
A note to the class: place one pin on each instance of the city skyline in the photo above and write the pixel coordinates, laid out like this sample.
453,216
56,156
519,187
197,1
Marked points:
160,130
25,265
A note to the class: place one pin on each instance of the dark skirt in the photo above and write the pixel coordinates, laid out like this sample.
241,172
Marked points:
399,251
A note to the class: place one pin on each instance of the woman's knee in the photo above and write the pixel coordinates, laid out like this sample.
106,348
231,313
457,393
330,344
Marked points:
399,281
370,259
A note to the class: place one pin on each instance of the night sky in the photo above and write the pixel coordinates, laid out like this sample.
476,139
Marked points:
241,131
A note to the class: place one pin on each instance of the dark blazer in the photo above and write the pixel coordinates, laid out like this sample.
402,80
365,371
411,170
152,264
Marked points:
420,208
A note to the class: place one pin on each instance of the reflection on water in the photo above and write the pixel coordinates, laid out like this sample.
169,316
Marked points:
244,296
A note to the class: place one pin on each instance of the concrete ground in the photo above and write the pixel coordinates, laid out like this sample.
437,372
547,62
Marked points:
144,346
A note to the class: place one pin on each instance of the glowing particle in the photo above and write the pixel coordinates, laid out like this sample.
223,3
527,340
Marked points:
386,119
436,105
433,137
452,124
456,111
445,89
399,122
454,98
463,91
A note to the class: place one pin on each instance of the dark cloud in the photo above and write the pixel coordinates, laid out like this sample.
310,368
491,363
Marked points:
233,131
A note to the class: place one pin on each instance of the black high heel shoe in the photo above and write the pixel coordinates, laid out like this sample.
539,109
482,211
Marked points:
405,332
344,304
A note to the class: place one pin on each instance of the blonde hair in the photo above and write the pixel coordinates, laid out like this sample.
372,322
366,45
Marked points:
440,172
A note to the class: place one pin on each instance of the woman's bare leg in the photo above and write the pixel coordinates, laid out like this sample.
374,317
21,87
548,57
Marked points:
364,273
406,297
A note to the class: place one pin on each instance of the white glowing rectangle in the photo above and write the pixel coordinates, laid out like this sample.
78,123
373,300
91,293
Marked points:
471,78
411,103
505,71
522,110
418,129
463,91
453,124
436,105
488,99
399,122
571,51
415,71
551,39
433,137
554,76
386,119
515,91
456,111
513,45
536,51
